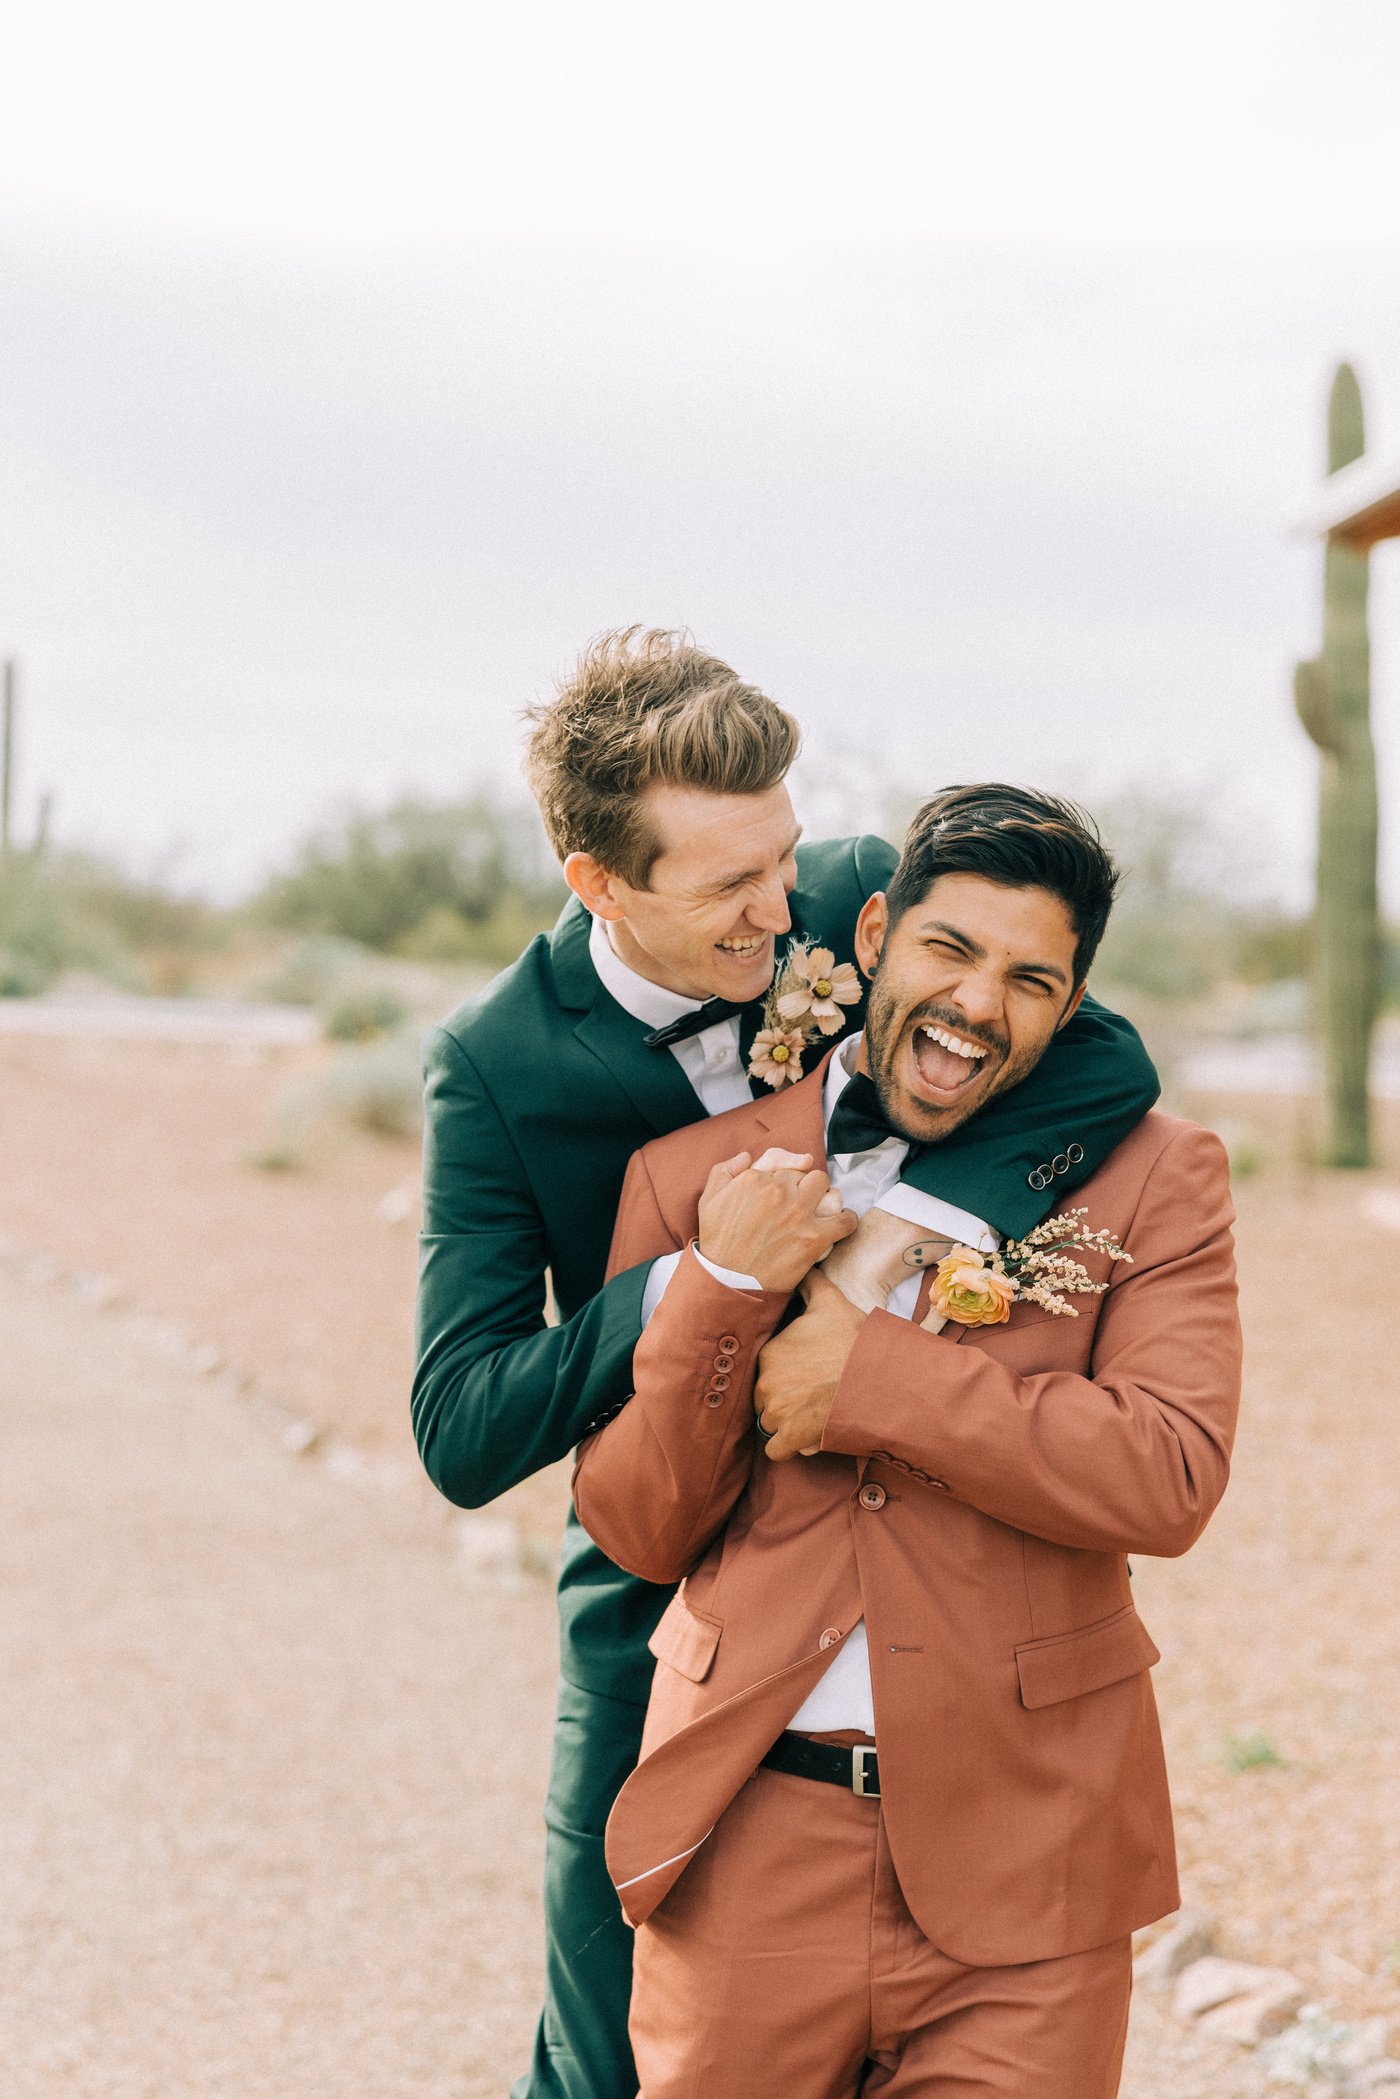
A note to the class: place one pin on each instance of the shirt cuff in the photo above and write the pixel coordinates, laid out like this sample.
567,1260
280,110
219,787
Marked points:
932,1214
663,1269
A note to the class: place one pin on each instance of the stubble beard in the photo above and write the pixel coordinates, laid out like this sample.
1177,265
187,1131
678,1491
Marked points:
885,1029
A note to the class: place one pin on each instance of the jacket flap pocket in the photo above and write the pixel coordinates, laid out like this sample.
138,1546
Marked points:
685,1640
1072,1663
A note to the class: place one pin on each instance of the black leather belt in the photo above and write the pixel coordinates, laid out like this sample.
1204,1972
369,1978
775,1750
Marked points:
856,1768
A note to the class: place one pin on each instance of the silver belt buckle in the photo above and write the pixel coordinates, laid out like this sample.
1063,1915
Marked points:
860,1751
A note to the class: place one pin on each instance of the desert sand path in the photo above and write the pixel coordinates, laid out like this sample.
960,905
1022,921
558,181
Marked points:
270,1768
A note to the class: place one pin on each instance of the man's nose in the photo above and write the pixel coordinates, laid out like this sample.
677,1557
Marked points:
978,998
769,911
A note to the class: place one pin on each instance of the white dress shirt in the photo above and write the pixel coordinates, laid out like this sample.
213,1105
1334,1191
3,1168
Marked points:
842,1698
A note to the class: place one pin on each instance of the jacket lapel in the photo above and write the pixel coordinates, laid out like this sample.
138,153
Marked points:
793,1118
651,1078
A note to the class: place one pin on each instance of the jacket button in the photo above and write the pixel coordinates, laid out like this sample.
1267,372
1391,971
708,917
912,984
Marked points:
872,1495
729,1342
942,1485
830,1636
713,1398
719,1382
724,1362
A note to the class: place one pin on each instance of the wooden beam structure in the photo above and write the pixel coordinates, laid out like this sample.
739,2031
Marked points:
1359,506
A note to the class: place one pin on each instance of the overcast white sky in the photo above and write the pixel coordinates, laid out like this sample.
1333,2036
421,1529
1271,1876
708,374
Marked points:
953,371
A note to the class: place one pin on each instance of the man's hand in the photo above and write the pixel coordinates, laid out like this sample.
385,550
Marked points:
800,1368
770,1221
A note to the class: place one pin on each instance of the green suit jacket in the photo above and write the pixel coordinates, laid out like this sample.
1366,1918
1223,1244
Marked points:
537,1095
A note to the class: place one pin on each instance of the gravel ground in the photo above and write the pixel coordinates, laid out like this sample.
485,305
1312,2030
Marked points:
259,1833
271,1770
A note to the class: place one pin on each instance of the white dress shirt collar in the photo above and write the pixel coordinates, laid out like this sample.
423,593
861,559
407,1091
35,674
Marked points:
650,1003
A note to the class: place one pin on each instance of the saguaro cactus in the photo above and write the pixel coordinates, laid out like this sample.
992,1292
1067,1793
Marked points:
1333,697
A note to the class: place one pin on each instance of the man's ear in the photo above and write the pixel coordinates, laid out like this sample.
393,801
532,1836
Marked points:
871,927
596,889
1072,1008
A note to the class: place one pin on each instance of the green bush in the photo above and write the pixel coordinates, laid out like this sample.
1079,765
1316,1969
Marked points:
73,911
379,1087
438,881
363,1011
313,973
1181,927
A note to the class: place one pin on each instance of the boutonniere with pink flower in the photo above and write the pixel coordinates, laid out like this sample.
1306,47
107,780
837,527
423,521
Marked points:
979,1289
805,1001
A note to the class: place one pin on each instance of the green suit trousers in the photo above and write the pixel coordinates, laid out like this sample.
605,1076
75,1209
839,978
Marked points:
581,2041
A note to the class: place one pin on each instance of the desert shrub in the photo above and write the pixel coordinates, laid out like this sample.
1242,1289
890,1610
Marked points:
21,976
362,1011
74,911
1252,1752
311,974
445,881
1189,916
379,1086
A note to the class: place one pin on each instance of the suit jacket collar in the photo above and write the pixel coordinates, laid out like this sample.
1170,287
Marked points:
795,1118
652,1079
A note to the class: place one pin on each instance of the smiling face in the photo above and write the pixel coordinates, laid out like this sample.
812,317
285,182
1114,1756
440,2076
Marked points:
716,899
969,989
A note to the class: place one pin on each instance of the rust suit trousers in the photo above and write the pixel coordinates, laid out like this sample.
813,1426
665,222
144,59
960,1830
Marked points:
785,1960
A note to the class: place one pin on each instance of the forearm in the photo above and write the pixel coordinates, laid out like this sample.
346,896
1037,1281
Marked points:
1104,1464
657,1484
1131,1453
498,1397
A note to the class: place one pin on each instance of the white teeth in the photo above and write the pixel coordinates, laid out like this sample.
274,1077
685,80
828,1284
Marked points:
973,1051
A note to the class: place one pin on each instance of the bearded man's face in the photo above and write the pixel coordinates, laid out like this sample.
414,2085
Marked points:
970,987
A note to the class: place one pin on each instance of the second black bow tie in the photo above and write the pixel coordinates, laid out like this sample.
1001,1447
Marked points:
706,1016
858,1121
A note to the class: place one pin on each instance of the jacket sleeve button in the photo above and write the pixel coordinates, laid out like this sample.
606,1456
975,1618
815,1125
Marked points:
830,1637
713,1398
729,1342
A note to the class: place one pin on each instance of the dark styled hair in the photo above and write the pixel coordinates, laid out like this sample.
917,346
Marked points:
1016,836
645,706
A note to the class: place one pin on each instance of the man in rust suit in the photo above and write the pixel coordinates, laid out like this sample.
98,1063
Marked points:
902,1799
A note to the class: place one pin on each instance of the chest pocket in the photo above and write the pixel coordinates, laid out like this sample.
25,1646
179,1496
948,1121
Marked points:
685,1640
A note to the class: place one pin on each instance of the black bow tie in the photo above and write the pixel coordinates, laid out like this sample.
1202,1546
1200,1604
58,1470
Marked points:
706,1016
858,1121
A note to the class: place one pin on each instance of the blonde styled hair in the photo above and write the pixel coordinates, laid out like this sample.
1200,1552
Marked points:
645,706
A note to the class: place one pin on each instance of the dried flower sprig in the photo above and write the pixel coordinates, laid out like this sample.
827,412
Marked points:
979,1289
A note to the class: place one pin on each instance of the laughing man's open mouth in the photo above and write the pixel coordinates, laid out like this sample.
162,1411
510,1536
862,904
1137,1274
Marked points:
947,1061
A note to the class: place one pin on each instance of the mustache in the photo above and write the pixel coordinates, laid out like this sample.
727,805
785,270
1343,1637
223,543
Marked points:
936,1015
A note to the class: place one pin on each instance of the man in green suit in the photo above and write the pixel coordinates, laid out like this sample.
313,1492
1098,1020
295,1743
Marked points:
660,776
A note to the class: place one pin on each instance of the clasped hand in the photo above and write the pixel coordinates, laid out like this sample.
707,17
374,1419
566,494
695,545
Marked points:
771,1218
774,1218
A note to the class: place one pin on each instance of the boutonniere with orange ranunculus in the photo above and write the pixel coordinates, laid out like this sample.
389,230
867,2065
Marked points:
804,1001
979,1289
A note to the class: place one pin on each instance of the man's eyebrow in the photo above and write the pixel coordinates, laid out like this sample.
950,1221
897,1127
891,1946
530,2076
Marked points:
751,874
979,954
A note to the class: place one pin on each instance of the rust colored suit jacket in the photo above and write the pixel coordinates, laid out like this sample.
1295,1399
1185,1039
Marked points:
975,1499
